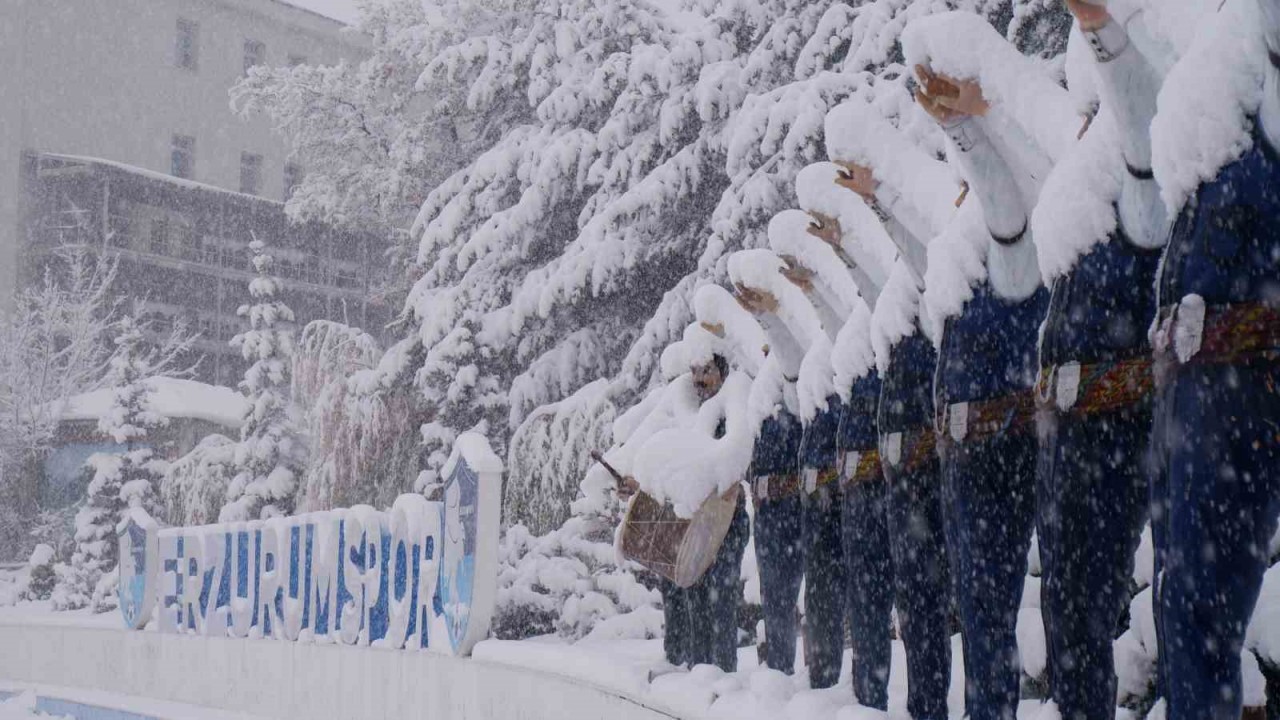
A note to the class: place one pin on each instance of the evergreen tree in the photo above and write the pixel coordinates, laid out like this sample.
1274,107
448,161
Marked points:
270,458
121,480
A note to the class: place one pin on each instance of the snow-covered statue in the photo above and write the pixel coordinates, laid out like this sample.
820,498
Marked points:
1216,157
680,464
991,102
911,195
842,440
1098,226
799,348
812,265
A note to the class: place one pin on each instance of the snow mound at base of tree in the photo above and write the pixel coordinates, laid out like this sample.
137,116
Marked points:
170,398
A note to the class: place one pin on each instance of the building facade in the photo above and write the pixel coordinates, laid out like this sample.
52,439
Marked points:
116,134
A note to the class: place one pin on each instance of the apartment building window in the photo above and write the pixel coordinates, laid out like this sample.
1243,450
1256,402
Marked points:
255,53
250,173
187,48
160,236
182,158
292,179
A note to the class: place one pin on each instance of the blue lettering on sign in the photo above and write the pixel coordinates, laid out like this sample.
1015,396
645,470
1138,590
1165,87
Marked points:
347,576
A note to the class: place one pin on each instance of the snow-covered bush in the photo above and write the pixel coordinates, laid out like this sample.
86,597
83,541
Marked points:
550,453
40,577
569,582
270,457
195,485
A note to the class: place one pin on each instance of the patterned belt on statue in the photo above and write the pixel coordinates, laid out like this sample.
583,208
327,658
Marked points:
910,449
1094,388
1190,332
814,478
773,488
859,466
981,419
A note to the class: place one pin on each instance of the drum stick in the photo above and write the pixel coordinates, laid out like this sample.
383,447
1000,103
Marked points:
617,476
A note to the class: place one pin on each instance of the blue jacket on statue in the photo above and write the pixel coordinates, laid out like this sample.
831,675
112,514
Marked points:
857,430
1225,244
906,396
989,349
1100,311
777,449
818,446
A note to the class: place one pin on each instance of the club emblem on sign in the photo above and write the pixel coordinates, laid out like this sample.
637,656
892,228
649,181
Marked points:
458,564
470,515
137,539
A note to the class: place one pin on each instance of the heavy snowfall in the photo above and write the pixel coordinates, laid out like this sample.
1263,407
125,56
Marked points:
957,319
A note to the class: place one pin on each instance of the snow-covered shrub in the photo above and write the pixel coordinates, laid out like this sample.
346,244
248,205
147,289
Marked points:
270,457
569,582
40,577
195,485
550,452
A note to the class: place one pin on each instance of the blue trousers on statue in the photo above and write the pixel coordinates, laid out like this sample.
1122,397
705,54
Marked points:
780,553
917,542
989,486
921,581
701,621
1215,496
1091,505
869,577
824,586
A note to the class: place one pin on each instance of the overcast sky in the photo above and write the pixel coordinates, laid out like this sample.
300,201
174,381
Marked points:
344,10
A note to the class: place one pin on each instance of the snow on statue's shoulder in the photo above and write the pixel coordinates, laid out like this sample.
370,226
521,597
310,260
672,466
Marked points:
686,463
857,132
1207,102
1024,97
852,356
896,316
957,264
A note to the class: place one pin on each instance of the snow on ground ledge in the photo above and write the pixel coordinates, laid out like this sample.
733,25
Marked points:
22,707
751,693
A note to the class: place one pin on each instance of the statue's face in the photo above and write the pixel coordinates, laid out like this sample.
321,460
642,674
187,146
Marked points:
707,380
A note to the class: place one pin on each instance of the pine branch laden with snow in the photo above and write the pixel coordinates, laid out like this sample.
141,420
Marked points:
270,457
568,233
550,451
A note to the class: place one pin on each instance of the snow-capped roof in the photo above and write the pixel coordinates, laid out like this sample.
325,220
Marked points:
171,398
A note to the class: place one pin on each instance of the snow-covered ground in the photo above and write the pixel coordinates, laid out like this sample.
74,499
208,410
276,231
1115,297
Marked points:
622,667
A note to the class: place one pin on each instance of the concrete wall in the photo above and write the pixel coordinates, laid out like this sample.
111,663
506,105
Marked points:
296,680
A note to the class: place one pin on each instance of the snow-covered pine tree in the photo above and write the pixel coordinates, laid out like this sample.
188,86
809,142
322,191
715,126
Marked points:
546,257
270,458
122,480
